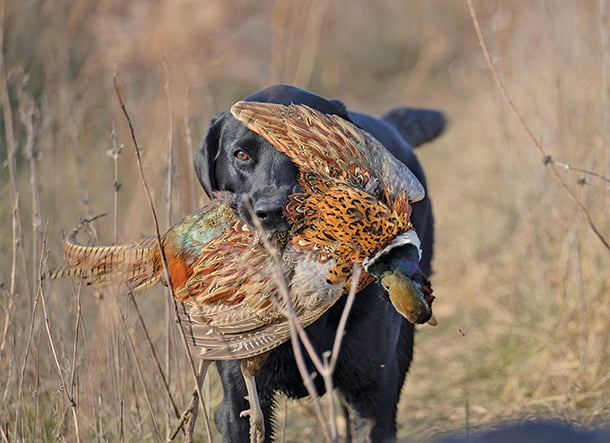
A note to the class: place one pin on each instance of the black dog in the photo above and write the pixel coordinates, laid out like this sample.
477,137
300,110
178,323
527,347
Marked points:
378,344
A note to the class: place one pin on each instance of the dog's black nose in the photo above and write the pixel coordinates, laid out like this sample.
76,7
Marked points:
268,211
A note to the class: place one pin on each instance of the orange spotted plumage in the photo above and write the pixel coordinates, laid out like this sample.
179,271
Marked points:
356,196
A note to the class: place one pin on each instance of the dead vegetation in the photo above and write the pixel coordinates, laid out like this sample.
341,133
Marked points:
522,281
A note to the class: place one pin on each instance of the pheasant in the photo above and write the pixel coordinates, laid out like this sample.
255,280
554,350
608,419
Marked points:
222,269
354,208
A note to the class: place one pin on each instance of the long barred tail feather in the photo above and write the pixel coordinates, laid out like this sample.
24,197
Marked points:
137,266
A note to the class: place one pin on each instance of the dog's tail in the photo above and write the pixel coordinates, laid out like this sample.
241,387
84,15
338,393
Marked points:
417,126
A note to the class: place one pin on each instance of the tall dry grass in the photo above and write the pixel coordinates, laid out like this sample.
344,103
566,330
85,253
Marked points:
522,282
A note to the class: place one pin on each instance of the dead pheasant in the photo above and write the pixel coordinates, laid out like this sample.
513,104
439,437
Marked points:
219,267
354,208
356,200
222,270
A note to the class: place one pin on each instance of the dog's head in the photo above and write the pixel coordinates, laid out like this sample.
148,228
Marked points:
235,159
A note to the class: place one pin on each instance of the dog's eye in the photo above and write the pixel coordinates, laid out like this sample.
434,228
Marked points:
242,155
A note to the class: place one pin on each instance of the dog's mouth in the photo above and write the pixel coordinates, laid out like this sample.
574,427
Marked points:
269,218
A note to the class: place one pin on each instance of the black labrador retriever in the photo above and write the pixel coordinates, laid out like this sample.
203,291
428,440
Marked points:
378,343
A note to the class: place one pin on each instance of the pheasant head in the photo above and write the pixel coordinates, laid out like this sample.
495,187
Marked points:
406,285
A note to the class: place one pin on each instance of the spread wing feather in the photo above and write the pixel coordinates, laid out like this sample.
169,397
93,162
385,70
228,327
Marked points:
305,135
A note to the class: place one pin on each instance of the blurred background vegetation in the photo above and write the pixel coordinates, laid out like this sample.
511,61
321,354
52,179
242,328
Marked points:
523,284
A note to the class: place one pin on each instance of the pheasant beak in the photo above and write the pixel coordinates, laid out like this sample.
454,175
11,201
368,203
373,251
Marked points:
412,299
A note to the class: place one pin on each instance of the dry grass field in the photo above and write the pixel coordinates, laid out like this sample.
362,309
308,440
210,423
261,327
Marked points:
522,281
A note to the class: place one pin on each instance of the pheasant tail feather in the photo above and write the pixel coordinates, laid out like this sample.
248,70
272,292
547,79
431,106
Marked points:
136,266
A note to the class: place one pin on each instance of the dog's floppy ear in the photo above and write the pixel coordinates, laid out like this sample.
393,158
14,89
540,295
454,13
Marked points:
206,154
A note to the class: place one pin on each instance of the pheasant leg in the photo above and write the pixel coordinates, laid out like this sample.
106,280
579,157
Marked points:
255,413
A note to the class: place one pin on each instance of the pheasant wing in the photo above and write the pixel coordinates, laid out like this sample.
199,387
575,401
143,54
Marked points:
328,145
220,267
310,296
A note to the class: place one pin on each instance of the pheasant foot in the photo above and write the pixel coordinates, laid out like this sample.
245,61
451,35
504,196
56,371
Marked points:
255,413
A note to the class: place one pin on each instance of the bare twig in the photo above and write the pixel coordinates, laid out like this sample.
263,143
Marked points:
310,45
331,364
158,236
67,390
296,332
296,329
17,251
28,117
141,171
155,357
582,181
25,360
325,365
115,152
545,157
189,416
75,344
3,435
351,296
10,153
604,15
188,136
168,203
142,383
194,203
7,322
17,227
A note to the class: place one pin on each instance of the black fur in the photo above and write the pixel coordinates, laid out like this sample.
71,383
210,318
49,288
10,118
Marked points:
378,344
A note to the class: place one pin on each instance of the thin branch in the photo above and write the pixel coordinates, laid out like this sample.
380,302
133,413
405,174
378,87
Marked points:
168,203
77,326
188,136
604,15
17,250
351,296
11,149
25,359
543,155
141,378
158,236
310,45
115,152
28,117
155,357
189,416
582,181
330,361
170,147
3,436
297,335
64,387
